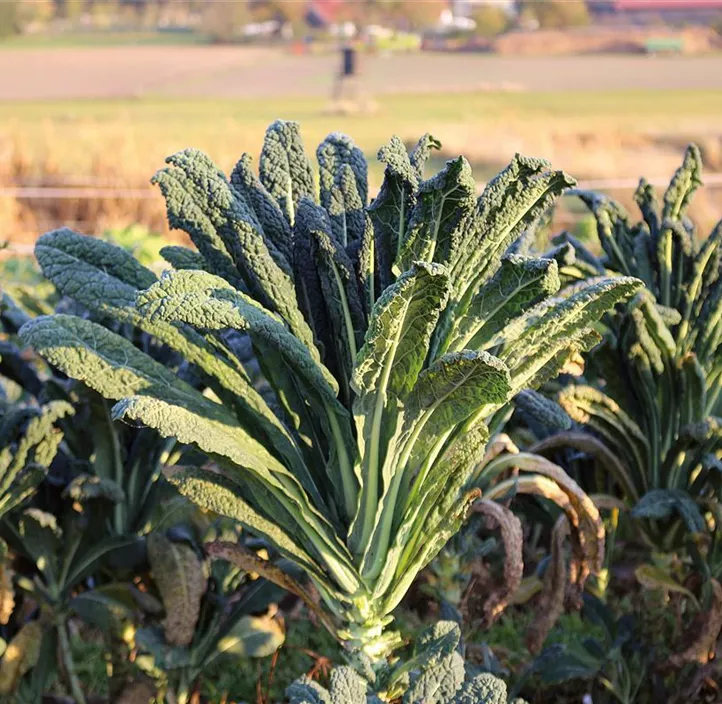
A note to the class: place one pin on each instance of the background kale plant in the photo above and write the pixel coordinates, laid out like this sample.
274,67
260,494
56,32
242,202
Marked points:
654,383
649,409
104,542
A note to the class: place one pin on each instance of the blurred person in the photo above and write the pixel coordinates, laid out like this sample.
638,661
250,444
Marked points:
346,85
349,94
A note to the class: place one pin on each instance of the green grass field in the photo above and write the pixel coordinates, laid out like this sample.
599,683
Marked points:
72,40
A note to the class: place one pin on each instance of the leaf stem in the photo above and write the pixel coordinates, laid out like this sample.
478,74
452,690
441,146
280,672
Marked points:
66,656
348,480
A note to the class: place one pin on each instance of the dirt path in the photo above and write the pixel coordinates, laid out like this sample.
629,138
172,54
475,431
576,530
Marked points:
126,72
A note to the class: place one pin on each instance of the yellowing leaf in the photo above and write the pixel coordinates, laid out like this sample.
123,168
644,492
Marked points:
254,637
654,577
21,656
7,594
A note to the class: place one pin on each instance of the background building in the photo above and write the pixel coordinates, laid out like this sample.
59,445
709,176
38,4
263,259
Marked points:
656,11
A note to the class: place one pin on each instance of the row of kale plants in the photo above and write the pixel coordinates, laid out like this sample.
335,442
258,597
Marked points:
337,403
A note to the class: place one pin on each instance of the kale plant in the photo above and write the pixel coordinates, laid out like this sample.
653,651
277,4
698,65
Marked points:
434,674
93,529
650,407
389,338
653,396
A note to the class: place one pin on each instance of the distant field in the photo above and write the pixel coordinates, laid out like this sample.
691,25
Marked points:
240,72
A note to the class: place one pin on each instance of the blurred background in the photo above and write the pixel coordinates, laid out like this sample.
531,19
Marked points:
94,94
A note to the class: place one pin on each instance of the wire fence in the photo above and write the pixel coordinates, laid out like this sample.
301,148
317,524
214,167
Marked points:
67,191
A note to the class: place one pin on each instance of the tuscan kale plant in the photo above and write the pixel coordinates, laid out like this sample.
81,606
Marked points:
390,337
650,407
435,674
653,396
99,518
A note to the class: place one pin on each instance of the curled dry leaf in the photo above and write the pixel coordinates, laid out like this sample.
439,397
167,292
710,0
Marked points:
551,601
497,445
513,540
182,578
20,656
551,481
595,448
702,649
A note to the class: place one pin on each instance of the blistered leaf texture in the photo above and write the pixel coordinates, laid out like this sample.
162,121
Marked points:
285,170
181,578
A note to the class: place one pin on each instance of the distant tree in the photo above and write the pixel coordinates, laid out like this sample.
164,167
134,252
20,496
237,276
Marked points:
9,18
222,19
491,20
557,14
38,12
293,13
411,14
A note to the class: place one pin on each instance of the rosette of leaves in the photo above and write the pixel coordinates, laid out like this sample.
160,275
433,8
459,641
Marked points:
652,398
435,673
390,336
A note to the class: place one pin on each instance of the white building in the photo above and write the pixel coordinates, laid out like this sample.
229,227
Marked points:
464,8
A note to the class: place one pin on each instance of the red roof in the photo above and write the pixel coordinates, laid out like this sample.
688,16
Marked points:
667,4
327,9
